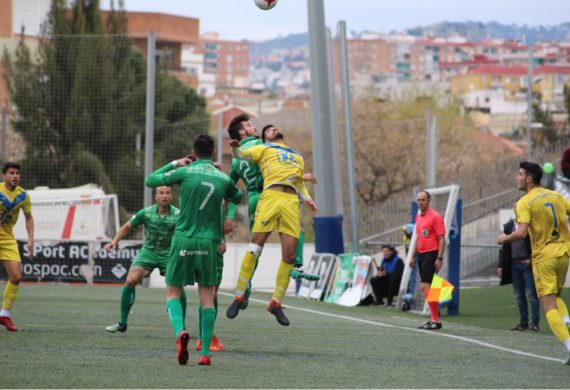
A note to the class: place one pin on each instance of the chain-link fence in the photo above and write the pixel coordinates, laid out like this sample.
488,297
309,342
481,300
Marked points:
78,112
484,193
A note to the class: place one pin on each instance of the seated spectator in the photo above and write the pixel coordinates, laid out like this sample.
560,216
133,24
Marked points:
387,283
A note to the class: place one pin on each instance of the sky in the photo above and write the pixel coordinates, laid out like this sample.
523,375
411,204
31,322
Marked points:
241,19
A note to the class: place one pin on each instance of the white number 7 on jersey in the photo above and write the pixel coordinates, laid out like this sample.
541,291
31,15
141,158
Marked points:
207,198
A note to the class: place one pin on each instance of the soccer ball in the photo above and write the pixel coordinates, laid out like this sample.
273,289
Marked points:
265,4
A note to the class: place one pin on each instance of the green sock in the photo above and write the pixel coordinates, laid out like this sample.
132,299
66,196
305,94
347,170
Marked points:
174,310
127,301
216,305
208,321
299,254
183,304
200,313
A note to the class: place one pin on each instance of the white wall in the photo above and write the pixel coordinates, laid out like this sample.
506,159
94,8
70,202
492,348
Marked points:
264,278
31,14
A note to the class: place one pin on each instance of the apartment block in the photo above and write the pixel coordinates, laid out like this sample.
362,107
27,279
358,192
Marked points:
228,60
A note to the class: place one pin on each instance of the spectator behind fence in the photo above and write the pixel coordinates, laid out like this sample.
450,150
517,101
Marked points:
515,267
387,283
562,180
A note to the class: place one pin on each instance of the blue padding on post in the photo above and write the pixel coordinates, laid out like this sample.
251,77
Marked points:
328,234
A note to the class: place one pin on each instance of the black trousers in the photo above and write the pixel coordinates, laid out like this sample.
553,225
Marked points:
385,287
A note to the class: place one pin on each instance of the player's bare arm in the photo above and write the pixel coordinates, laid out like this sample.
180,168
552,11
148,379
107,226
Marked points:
519,234
123,231
310,178
30,231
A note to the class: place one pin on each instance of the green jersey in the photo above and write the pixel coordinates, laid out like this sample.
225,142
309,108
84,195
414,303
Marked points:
158,229
248,172
202,190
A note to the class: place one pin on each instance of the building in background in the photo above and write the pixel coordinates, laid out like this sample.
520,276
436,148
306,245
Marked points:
227,60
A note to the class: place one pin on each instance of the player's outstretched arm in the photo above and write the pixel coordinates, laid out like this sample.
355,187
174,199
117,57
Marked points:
519,234
123,231
156,179
310,178
312,205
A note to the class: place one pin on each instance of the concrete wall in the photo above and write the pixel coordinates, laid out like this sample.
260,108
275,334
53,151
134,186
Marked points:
264,278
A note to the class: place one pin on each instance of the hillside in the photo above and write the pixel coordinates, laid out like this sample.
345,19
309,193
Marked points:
474,31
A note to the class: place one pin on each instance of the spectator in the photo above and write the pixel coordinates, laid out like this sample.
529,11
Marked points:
562,181
387,283
515,267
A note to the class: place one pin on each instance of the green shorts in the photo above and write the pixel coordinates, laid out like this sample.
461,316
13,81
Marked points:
220,264
252,201
192,260
149,260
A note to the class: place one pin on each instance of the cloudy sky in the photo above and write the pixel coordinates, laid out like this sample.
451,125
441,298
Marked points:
241,19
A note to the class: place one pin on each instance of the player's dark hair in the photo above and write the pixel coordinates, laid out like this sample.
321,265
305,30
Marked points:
203,146
427,194
11,164
265,128
533,170
236,125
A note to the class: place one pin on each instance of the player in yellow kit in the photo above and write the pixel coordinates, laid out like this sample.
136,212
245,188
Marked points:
278,207
542,214
12,199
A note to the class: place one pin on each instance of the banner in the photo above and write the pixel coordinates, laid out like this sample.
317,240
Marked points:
69,262
354,294
343,278
326,268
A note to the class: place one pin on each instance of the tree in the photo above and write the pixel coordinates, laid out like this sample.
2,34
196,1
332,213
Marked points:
81,104
547,134
390,151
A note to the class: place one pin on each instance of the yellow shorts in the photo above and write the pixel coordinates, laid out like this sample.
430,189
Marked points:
9,250
550,275
278,210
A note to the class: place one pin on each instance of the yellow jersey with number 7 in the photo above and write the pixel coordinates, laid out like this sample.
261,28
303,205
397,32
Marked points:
545,213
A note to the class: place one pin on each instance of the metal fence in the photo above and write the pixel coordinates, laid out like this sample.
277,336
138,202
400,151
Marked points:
484,193
78,113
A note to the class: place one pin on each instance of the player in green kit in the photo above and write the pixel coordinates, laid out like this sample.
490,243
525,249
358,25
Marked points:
197,237
159,221
242,130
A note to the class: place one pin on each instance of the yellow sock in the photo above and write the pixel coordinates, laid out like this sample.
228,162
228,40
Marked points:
557,326
563,310
283,279
10,294
245,272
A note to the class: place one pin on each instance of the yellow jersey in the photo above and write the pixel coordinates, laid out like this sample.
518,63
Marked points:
545,213
279,164
10,204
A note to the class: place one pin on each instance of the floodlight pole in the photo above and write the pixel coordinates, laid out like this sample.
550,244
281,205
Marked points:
328,225
149,133
528,138
347,105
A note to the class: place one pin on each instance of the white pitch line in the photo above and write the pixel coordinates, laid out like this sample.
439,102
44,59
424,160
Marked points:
431,333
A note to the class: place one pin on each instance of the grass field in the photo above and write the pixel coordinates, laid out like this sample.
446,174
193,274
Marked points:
62,344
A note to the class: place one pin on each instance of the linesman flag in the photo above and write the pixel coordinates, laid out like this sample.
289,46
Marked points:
440,290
